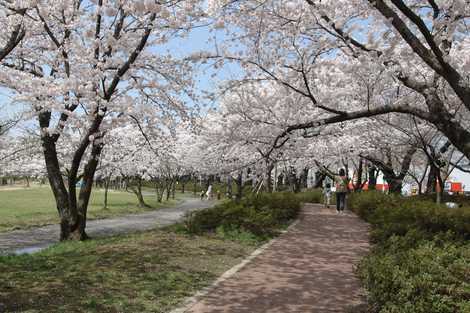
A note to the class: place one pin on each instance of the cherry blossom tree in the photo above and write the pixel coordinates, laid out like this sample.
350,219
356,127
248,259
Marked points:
86,66
322,53
13,23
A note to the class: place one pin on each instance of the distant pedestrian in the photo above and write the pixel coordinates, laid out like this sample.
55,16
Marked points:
327,195
341,191
209,192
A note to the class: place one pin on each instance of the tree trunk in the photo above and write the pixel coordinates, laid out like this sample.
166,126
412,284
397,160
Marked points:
319,178
168,190
58,187
373,173
395,184
432,178
267,176
229,186
85,192
239,183
304,178
141,200
159,190
358,185
137,190
107,182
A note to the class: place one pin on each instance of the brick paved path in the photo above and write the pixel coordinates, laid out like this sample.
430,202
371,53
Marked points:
308,269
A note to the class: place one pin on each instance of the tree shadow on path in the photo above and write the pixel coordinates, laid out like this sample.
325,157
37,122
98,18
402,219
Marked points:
308,269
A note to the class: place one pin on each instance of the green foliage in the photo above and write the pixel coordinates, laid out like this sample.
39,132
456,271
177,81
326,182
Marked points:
146,272
311,196
396,215
421,260
431,277
260,215
238,236
460,199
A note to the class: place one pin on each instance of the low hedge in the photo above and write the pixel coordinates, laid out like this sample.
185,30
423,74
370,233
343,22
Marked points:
261,215
420,262
396,215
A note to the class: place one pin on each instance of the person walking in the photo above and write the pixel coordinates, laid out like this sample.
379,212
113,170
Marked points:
209,193
341,191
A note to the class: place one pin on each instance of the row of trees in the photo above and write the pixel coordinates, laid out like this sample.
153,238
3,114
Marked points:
378,86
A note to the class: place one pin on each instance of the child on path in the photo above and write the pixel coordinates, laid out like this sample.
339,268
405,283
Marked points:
327,195
341,190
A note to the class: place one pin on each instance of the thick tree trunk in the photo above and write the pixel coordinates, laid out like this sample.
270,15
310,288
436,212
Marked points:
58,187
395,184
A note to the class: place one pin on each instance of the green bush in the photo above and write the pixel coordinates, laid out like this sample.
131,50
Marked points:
311,196
460,199
431,277
261,215
395,215
421,260
364,204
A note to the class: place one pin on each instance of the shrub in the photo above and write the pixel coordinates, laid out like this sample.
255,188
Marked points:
420,262
396,215
261,215
364,204
428,278
311,196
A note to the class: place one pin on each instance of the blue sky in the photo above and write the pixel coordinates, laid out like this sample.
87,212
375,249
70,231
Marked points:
198,40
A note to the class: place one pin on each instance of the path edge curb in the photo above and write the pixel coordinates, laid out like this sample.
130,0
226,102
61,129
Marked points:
191,301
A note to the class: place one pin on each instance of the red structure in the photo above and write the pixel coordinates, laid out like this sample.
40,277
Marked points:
379,187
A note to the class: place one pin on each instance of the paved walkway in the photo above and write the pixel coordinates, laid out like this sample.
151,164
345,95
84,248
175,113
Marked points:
34,239
308,269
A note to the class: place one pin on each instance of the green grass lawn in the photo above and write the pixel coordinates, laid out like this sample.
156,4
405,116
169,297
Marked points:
146,272
25,207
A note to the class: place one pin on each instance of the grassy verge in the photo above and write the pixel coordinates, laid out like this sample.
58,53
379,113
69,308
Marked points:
146,272
35,206
420,262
